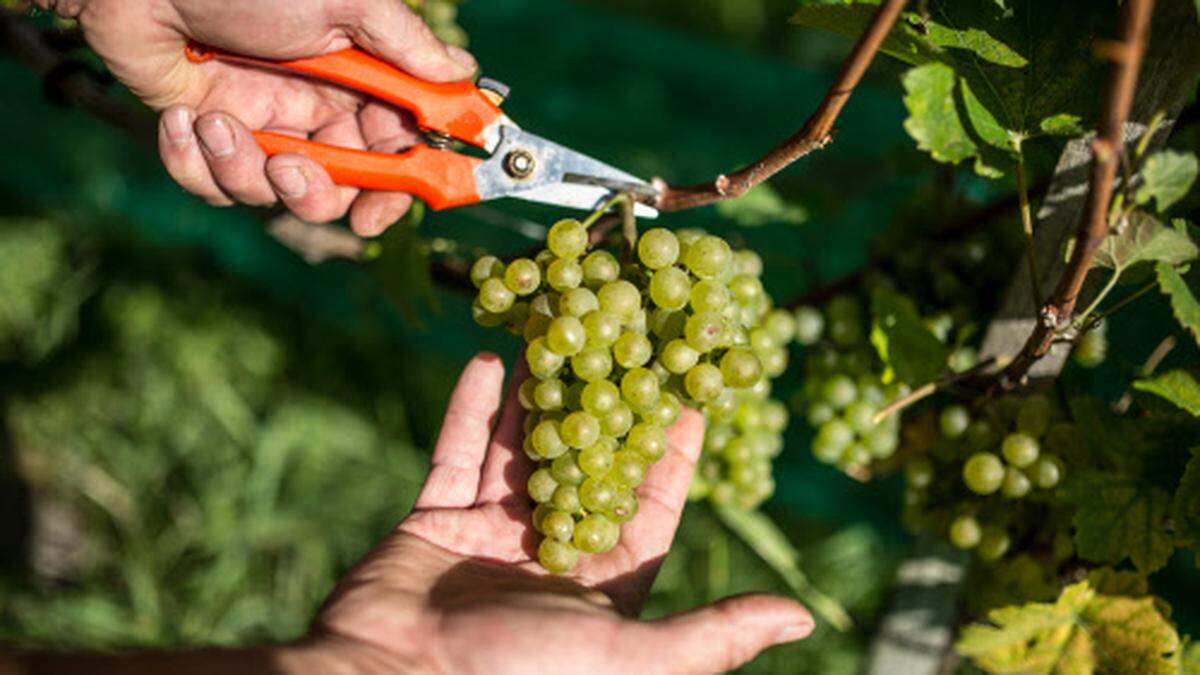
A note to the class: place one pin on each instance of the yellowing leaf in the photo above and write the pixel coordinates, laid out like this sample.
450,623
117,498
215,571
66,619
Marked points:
1176,386
1120,517
1145,239
1082,632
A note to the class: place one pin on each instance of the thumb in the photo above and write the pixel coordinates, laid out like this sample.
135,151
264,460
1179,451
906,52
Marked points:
729,633
390,30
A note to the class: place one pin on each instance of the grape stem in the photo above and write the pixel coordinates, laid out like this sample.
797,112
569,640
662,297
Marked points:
1108,147
1027,227
926,390
816,133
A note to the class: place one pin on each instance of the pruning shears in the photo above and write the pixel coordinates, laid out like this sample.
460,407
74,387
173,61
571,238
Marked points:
519,164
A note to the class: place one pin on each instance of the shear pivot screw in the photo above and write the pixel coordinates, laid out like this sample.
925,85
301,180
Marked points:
519,164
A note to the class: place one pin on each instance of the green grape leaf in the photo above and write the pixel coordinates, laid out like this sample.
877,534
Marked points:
1183,300
905,344
1108,581
1083,631
1120,517
1145,238
760,206
1064,124
1189,654
1185,509
1176,386
933,119
1166,178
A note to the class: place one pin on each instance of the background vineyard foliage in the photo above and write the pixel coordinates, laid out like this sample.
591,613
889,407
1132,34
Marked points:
175,374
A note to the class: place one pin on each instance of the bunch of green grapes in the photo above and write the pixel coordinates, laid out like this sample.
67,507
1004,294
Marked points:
740,443
1008,457
615,350
843,389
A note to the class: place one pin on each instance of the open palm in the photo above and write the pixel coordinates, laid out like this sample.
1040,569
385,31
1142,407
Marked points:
457,587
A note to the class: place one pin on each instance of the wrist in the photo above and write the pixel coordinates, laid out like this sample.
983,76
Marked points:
333,655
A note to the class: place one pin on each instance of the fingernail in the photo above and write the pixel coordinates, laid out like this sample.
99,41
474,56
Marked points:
216,136
178,125
793,632
289,181
463,58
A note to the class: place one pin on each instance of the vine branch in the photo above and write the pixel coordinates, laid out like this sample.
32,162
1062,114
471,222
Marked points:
1107,147
816,133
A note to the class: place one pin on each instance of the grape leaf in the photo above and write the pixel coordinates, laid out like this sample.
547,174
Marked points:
1185,509
933,119
1183,301
1166,178
1108,581
1145,238
1083,631
905,344
1189,662
762,205
1176,386
1120,517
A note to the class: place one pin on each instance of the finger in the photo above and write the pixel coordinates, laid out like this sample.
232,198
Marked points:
393,32
305,188
506,468
384,129
453,479
234,158
725,635
374,212
664,493
181,156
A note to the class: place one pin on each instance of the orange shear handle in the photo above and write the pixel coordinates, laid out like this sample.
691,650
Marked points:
442,178
459,109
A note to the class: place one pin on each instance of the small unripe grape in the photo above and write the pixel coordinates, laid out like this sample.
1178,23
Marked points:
591,365
579,430
667,411
965,532
832,439
762,340
558,525
566,470
549,394
1046,471
566,336
624,506
602,328
547,439
485,318
709,296
704,382
819,413
525,394
748,262
983,473
709,257
738,450
543,363
616,423
596,460
954,421
599,268
670,288
563,275
781,325
658,248
539,515
566,498
1020,449
839,391
557,557
632,350
639,322
648,440
541,486
495,297
746,290
578,302
597,494
1016,483
1091,349
567,239
596,533
629,469
740,368
993,544
703,331
882,441
600,397
860,416
810,325
1034,415
523,276
678,357
774,417
639,387
919,473
487,267
621,299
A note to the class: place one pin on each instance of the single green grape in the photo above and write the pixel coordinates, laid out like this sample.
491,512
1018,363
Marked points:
1021,450
861,417
882,441
597,494
954,421
781,324
832,440
566,498
535,326
600,397
983,473
667,325
599,268
567,239
774,416
523,276
810,326
839,391
678,357
640,388
525,393
738,451
845,332
658,248
624,506
748,262
667,411
596,460
558,525
670,288
919,473
563,275
632,350
993,544
549,395
578,302
547,439
740,368
709,257
621,299
485,318
648,440
557,557
596,533
704,382
746,290
592,365
495,297
709,296
819,413
566,470
628,470
965,532
487,267
602,329
539,516
1016,483
1046,472
566,336
579,430
704,331
856,454
617,422
541,486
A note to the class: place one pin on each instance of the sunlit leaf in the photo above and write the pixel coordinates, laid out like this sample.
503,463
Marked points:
1145,238
1166,178
1183,300
762,205
1176,386
904,342
1119,516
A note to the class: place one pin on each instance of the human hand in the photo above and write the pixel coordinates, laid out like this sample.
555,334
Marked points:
208,110
457,587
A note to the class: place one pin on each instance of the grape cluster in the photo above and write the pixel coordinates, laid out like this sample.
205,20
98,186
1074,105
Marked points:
741,440
1008,455
615,350
843,389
